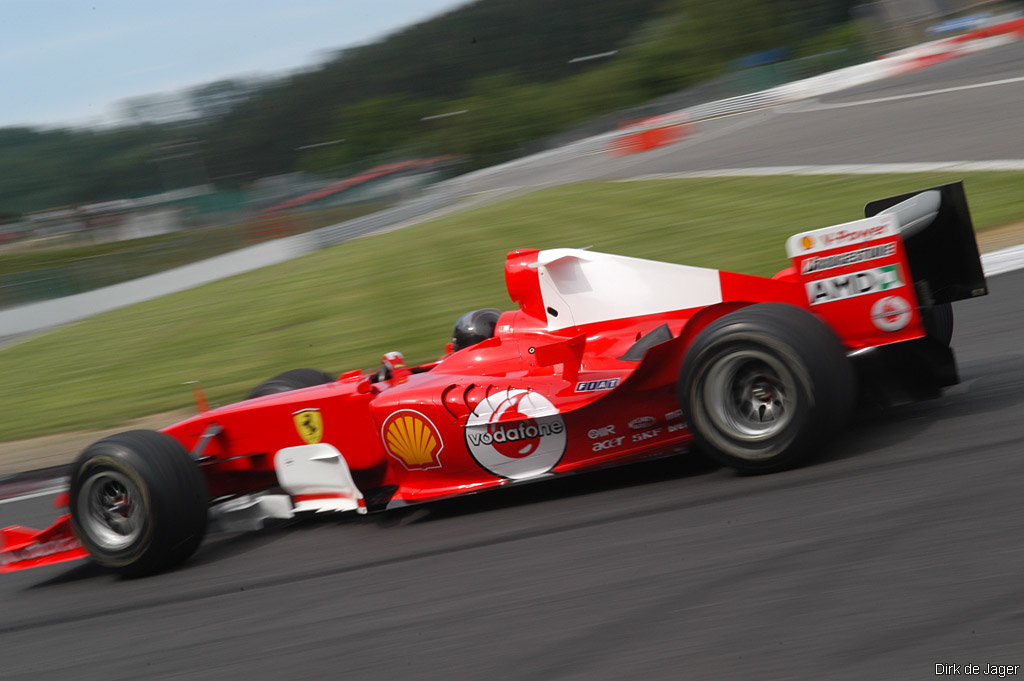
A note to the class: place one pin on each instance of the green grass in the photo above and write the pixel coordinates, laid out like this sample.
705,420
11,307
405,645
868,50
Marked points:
343,307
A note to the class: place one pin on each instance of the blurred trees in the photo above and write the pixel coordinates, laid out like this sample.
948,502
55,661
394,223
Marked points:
507,64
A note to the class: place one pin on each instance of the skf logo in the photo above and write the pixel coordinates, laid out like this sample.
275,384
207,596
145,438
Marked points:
807,242
310,425
410,437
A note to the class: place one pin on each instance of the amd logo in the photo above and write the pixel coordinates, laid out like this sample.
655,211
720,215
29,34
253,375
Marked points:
853,285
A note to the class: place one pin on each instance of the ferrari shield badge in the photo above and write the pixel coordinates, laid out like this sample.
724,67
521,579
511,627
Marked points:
310,425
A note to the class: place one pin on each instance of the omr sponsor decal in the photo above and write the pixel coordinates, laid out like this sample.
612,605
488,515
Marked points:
603,431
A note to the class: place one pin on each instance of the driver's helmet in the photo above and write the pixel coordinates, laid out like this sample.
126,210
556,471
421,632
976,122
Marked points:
474,327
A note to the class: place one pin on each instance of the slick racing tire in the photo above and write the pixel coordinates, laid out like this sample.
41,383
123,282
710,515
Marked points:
291,380
763,386
138,502
938,323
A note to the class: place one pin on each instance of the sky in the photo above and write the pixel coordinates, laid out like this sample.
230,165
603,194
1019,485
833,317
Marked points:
69,62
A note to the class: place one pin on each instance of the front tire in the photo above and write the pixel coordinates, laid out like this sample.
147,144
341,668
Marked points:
138,502
763,386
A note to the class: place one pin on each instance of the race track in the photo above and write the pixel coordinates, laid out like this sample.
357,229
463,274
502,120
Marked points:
897,550
978,124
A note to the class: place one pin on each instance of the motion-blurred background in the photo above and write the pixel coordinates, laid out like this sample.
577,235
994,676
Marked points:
163,178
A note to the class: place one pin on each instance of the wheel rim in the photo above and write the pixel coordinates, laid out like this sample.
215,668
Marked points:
110,510
750,395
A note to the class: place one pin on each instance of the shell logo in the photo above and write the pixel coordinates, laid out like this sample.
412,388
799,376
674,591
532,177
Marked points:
410,437
807,242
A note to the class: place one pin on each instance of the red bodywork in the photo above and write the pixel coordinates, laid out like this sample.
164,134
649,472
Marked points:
543,396
605,409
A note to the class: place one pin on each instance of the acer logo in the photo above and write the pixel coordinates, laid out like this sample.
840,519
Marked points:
610,443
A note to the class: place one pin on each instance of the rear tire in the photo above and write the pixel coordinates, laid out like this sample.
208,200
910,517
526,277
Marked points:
291,380
138,502
763,386
938,323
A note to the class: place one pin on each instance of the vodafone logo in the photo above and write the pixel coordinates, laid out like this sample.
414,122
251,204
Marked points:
891,313
516,434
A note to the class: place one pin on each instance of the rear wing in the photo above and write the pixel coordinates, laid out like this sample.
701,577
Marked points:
936,228
875,281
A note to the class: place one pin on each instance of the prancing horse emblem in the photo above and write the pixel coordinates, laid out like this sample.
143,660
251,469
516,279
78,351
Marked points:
310,425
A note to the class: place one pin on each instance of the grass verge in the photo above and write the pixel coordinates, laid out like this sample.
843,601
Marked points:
342,307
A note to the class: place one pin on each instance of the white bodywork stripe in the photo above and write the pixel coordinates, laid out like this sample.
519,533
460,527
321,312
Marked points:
584,287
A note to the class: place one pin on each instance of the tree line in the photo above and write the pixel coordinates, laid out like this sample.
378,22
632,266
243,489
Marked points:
482,81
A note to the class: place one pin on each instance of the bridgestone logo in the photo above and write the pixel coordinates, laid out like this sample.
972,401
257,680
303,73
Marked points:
852,285
832,261
521,431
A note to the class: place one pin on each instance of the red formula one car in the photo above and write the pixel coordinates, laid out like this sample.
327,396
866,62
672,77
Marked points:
607,360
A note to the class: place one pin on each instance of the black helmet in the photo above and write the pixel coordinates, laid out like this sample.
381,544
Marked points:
474,327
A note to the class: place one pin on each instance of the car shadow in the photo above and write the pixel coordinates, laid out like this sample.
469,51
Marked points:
986,386
80,571
628,476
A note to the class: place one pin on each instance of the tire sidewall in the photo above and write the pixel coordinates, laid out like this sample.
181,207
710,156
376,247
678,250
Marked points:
813,357
729,448
109,457
172,495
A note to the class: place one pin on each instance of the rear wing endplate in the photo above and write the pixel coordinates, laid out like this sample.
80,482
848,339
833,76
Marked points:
935,225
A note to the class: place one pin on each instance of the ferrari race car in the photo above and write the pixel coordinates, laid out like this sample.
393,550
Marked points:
607,360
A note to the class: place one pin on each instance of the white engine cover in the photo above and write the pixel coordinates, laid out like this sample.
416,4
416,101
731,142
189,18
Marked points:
584,287
318,479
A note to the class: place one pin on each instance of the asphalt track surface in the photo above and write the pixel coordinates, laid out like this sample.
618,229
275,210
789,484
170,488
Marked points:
897,550
978,124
